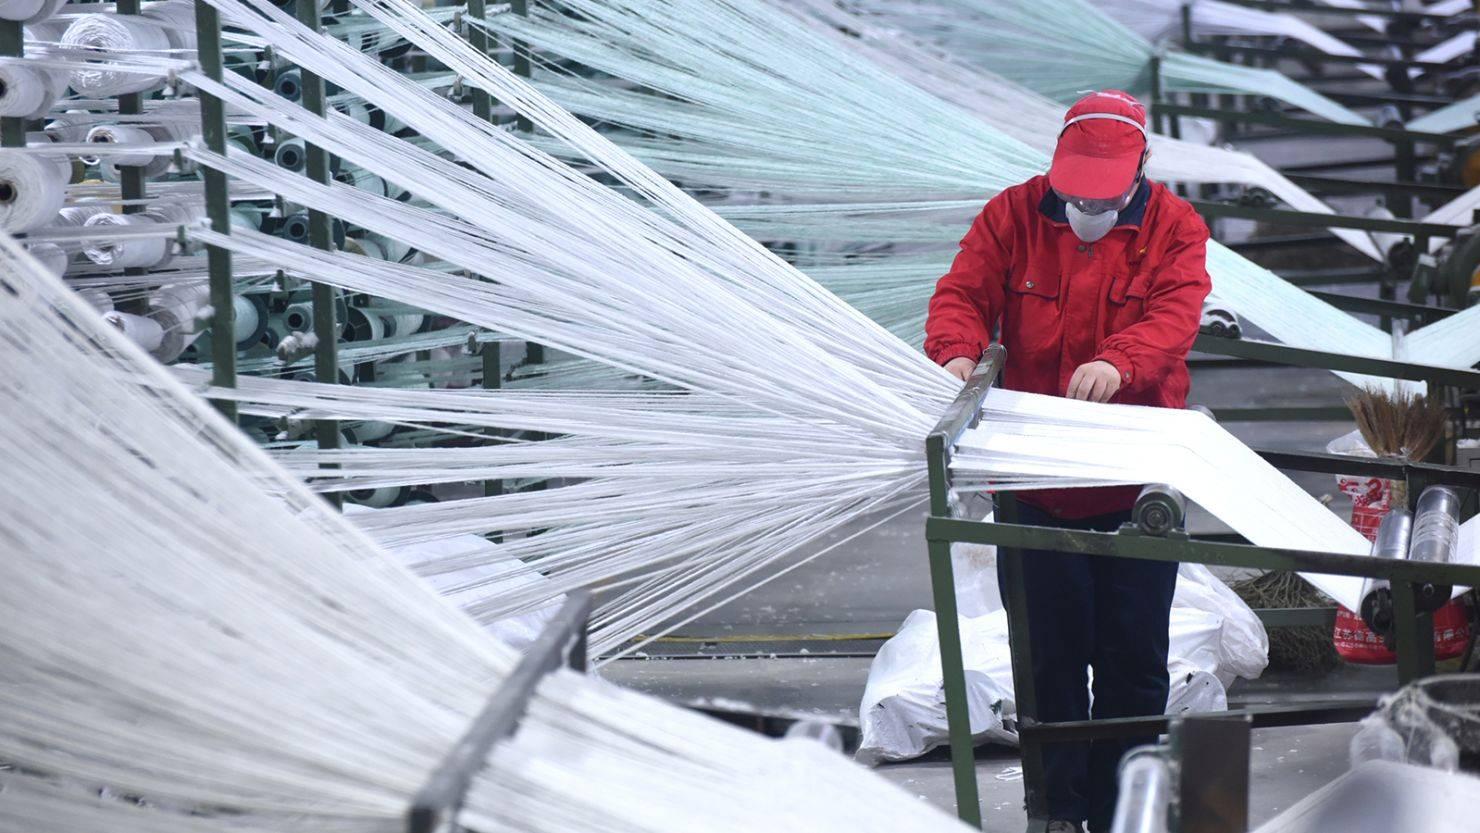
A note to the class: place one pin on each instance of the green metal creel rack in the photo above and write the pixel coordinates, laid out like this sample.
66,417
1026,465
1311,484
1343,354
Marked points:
1413,630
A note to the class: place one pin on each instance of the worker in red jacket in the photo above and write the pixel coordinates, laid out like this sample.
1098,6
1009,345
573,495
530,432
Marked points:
1094,278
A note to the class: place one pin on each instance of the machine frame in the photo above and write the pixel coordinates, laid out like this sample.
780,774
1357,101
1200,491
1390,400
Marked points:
1413,629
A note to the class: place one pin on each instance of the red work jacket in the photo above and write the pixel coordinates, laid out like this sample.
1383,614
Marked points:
1133,299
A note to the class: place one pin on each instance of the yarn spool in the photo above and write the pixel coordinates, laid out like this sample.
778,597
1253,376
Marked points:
288,84
178,310
246,217
32,190
69,127
111,34
146,333
72,217
381,498
51,256
363,325
44,31
365,432
291,154
298,317
25,91
49,8
177,19
21,10
126,253
122,134
250,320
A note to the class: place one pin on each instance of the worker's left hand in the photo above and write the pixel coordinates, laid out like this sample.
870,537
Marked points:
1094,381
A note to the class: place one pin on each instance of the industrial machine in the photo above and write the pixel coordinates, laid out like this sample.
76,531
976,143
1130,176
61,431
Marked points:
1153,535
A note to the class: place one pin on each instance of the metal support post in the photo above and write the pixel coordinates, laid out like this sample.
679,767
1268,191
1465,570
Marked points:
479,39
962,414
492,356
1413,634
12,45
218,209
1025,690
320,236
1157,109
491,352
523,67
131,177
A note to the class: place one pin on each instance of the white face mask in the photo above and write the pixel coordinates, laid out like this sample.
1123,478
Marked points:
1090,227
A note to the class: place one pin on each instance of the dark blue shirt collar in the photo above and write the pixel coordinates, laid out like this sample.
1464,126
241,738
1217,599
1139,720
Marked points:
1053,208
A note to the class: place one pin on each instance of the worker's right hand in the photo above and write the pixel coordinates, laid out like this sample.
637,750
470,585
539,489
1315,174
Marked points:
961,367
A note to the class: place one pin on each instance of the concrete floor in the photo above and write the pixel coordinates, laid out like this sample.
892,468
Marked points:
801,646
1285,766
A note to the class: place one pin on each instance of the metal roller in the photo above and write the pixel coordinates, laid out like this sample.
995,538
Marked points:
1377,595
1159,509
1435,534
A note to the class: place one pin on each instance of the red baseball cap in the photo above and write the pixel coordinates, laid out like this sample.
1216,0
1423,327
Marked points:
1100,146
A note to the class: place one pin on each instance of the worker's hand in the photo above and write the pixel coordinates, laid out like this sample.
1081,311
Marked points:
1095,381
961,367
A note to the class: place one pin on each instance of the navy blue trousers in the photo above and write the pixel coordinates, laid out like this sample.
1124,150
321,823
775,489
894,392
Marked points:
1109,614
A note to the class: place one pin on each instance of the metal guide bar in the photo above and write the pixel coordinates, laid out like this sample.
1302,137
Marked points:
1313,54
1303,357
561,642
1317,219
1338,11
1307,125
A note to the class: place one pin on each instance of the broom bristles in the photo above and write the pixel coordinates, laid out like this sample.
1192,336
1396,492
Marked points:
1405,425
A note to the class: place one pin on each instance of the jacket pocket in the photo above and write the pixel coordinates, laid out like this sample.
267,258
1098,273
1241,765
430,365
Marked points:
1031,321
1127,299
1042,284
1130,287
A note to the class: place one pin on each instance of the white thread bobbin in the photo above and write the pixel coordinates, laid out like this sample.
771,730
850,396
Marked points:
24,90
125,252
51,256
122,134
136,328
32,190
114,34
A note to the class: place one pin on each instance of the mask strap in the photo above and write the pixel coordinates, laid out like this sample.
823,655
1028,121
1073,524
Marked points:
1112,117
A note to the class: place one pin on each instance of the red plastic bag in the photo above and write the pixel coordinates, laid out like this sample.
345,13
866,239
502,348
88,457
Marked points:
1354,641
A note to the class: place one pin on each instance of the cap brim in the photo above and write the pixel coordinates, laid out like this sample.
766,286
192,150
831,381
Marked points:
1092,177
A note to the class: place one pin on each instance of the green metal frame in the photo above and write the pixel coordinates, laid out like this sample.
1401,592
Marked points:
1283,354
320,236
218,209
491,353
1413,634
12,45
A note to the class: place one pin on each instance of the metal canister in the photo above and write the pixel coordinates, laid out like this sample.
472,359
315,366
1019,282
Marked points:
1392,541
1435,535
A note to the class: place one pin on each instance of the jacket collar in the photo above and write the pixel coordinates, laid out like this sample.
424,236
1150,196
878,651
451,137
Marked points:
1130,217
